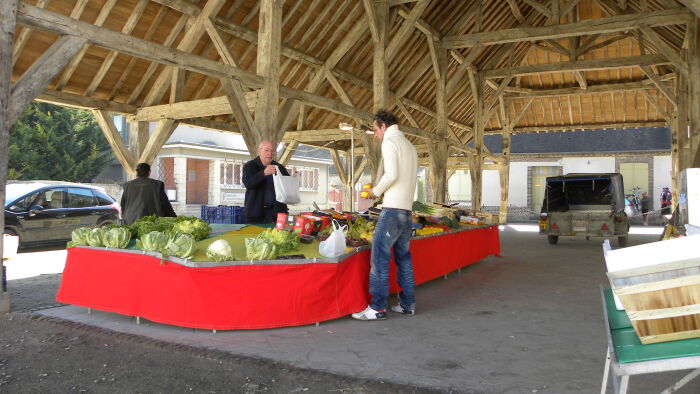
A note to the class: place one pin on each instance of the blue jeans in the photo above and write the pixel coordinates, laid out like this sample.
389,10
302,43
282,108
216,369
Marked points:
393,231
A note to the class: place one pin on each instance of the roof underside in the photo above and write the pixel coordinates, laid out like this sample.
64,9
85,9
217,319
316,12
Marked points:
313,30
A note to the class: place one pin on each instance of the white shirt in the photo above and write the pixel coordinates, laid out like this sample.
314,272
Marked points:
398,183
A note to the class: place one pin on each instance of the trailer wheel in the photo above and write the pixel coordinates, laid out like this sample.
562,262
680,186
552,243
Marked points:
622,241
552,239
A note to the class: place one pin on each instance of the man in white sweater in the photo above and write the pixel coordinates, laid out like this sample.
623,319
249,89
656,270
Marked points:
393,230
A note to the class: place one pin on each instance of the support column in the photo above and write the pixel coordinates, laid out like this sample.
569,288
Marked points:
504,167
138,137
8,14
694,92
380,75
268,65
477,159
438,149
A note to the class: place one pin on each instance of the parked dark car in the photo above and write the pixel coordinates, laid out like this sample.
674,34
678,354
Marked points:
44,214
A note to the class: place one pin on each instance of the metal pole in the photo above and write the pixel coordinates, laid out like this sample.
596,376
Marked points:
352,170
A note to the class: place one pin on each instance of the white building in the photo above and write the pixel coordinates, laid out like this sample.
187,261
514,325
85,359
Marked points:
204,167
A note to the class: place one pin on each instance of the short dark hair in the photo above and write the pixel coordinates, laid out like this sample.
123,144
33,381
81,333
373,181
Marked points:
143,170
384,117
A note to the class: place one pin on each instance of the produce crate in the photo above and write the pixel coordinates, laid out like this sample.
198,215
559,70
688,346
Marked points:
662,300
222,214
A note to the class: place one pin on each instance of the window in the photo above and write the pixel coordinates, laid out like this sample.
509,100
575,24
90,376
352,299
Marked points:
80,198
308,177
23,204
231,174
102,198
51,199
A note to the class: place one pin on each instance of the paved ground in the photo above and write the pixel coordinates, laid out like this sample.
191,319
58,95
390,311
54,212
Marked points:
529,322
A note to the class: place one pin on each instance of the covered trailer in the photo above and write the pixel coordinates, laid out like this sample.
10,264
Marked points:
592,205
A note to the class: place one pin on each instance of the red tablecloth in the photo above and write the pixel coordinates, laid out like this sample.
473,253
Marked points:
249,296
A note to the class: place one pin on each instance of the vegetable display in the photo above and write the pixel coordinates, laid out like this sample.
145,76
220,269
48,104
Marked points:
181,245
219,251
79,237
116,237
270,244
155,241
196,227
94,237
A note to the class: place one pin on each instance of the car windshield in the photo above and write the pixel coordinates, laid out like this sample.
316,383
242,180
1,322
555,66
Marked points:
14,191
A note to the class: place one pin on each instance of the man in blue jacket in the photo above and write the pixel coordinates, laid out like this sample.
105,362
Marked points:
261,206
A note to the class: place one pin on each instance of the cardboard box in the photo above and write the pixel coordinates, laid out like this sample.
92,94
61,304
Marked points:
471,220
303,225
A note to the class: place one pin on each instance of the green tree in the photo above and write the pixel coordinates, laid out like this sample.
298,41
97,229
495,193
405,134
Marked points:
56,143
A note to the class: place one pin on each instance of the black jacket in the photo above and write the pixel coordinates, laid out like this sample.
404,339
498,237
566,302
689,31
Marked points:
144,197
255,184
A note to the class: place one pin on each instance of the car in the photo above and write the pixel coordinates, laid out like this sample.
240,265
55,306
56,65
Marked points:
40,213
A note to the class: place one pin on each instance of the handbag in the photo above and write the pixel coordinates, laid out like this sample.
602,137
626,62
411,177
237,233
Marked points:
286,188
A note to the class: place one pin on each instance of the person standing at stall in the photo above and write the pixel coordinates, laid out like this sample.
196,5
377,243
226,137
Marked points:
144,196
260,204
393,229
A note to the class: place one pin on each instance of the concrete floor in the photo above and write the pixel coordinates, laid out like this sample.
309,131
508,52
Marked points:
528,322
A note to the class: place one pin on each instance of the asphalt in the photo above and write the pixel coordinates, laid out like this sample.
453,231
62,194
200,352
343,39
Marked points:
527,322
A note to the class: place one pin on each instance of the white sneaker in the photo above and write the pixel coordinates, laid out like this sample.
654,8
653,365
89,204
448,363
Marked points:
399,309
369,314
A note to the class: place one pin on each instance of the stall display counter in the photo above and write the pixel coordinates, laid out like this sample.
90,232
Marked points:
251,294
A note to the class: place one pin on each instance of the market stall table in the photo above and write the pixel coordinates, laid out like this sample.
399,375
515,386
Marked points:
251,294
627,356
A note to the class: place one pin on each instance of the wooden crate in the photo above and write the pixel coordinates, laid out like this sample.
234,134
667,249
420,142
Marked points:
662,301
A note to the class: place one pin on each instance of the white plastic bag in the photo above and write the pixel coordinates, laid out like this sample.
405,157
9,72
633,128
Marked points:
286,188
334,246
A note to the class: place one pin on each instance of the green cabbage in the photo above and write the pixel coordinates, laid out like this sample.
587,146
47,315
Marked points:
79,237
117,237
95,237
270,243
181,245
155,241
259,249
198,228
219,251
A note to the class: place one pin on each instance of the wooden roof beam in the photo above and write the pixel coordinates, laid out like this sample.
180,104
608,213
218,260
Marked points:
650,35
41,73
586,27
591,89
693,5
82,102
579,65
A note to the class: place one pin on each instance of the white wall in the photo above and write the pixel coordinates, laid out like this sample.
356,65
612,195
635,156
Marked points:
588,164
662,177
490,188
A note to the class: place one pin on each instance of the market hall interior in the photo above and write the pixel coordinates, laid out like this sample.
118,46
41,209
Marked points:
528,321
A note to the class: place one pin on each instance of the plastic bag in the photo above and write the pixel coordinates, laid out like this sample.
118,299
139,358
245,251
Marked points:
334,246
286,188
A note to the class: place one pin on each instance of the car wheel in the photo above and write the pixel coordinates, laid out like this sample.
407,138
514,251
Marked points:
552,239
622,241
12,232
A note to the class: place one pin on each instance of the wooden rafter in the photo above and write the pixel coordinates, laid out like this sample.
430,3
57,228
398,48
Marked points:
45,69
590,26
104,120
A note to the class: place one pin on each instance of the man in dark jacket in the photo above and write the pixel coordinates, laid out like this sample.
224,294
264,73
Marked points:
261,206
144,196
